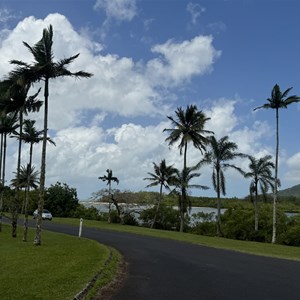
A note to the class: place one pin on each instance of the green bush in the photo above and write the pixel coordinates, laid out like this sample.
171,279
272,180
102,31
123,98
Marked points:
203,224
238,223
167,218
291,236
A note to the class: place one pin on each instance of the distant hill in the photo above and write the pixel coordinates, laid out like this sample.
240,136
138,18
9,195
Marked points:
292,191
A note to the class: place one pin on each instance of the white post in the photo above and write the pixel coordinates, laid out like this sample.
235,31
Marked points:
80,227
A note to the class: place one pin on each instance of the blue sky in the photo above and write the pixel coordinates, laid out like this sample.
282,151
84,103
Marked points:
148,58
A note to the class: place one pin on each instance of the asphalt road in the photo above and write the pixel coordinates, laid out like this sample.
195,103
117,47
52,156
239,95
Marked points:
161,269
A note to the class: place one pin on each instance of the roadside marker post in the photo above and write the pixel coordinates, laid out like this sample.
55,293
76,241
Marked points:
80,227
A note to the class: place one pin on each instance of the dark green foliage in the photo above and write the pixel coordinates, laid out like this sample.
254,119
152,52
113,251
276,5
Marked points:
61,200
238,224
167,218
88,213
204,224
291,236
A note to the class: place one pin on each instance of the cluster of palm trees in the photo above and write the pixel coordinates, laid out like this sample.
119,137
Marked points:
189,127
15,103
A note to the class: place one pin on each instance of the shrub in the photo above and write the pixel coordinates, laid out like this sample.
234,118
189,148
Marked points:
167,218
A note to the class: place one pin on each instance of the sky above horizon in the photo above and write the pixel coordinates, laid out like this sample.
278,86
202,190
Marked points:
148,58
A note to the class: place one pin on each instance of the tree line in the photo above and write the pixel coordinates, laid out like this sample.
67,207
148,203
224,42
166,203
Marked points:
189,127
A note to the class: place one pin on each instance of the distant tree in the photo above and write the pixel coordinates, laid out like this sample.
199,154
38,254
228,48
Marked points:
278,100
61,200
218,156
182,183
162,176
109,178
260,172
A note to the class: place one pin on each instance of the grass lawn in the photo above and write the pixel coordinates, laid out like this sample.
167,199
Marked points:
279,251
59,269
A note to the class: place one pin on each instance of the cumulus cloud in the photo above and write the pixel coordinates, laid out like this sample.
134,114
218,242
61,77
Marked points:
293,174
180,61
119,85
122,10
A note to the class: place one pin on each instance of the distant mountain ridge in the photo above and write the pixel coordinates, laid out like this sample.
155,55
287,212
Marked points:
292,191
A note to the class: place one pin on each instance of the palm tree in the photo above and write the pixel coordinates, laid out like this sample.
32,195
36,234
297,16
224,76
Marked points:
278,100
109,178
31,136
44,68
7,126
260,172
188,127
181,182
17,101
163,176
219,154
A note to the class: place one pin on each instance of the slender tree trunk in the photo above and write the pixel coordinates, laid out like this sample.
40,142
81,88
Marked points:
157,206
183,198
38,233
15,210
109,203
25,224
256,209
1,181
276,181
219,231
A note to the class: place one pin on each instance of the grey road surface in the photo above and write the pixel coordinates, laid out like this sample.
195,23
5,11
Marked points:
161,269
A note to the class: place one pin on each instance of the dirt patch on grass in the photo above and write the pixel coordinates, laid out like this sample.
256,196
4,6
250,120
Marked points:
110,290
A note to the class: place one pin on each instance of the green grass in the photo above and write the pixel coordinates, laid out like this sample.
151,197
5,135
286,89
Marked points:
264,249
59,269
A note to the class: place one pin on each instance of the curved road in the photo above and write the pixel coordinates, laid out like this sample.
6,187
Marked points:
161,269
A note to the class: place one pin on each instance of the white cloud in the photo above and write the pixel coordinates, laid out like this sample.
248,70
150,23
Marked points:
223,120
119,85
293,174
122,10
195,9
181,61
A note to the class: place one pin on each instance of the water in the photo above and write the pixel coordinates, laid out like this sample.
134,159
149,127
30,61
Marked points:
103,207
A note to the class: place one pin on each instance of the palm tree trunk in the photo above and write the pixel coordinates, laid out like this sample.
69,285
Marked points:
15,209
183,198
256,209
276,181
38,232
109,203
25,224
1,181
219,231
157,206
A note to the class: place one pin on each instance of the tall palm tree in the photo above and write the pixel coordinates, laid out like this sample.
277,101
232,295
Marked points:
17,101
188,127
162,176
181,182
260,172
43,69
278,100
219,154
109,178
7,126
31,136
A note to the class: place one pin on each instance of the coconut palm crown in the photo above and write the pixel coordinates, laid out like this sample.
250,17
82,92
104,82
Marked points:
189,126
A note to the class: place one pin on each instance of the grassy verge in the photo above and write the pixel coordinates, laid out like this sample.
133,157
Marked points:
59,269
279,251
